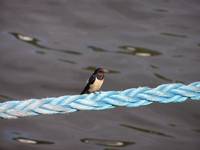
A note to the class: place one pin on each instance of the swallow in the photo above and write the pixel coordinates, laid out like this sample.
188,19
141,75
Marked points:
95,81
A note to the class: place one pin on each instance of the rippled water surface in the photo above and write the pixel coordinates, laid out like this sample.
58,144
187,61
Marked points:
49,48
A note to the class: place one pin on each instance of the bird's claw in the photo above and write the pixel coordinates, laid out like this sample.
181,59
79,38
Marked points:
97,92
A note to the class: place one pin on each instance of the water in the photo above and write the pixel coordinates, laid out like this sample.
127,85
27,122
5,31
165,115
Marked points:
49,48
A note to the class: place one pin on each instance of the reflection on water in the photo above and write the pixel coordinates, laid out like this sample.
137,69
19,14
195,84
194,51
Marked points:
4,97
106,142
93,68
66,61
97,49
31,141
174,35
145,130
35,42
138,51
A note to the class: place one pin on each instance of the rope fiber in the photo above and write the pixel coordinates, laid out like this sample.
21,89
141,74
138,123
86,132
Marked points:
134,97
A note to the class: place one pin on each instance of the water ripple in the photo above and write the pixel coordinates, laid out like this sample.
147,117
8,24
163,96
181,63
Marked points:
196,130
106,142
154,67
97,49
31,141
174,35
66,61
145,130
159,76
35,42
162,77
161,10
138,51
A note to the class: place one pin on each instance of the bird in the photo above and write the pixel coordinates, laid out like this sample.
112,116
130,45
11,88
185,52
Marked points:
95,81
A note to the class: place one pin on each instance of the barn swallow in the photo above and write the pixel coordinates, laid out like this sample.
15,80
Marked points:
95,81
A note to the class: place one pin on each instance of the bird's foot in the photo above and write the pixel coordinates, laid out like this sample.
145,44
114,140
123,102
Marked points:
97,92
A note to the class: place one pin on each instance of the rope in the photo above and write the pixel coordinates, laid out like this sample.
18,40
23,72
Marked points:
134,97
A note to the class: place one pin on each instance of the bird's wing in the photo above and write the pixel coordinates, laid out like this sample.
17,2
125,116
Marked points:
89,82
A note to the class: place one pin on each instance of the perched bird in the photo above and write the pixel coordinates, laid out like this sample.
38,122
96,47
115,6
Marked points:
95,81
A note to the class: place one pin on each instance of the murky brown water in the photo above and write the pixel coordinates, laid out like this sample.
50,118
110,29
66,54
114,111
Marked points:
49,48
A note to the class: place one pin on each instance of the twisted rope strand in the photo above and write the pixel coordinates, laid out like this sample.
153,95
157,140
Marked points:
134,97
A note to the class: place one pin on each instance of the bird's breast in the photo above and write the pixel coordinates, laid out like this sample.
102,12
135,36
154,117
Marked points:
96,85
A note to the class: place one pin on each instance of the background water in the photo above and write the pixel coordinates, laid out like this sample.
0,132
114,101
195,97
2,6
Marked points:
50,47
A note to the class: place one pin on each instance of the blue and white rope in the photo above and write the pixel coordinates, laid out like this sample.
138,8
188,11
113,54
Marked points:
133,97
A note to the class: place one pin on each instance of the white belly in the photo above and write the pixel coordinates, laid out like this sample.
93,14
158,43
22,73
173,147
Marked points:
96,85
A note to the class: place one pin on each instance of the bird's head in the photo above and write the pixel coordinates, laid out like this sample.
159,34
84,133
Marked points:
99,72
